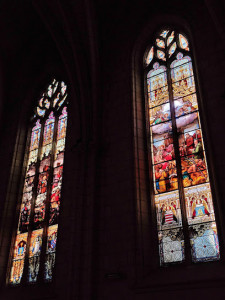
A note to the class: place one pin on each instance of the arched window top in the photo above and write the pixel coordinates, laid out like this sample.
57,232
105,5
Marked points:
182,194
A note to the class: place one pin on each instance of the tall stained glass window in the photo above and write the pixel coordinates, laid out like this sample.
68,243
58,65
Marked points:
34,249
182,193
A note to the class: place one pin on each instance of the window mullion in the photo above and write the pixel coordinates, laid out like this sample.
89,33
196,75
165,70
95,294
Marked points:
178,165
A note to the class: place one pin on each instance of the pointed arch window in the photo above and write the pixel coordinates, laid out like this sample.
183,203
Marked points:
182,193
34,248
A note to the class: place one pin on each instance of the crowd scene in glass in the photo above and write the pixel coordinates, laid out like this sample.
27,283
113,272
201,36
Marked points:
175,115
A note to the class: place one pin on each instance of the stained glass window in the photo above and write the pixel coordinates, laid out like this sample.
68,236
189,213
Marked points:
34,248
182,192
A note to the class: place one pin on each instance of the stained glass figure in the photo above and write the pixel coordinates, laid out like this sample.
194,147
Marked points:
50,252
179,165
45,161
34,255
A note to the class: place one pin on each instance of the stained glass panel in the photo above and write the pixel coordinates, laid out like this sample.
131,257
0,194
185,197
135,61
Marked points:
164,33
28,184
165,177
39,210
183,42
57,178
199,204
62,128
160,130
170,38
25,210
177,150
185,105
34,255
172,49
160,43
204,242
18,258
171,246
50,252
160,114
183,87
181,70
161,55
63,88
163,150
35,136
32,162
41,112
49,130
150,56
157,78
168,210
55,205
191,143
45,161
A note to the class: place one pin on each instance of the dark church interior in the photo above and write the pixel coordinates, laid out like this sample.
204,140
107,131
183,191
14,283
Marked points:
107,242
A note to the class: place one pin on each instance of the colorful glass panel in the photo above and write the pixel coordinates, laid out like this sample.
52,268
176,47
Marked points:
18,258
183,42
35,136
25,211
34,255
171,246
50,252
164,33
160,43
41,112
55,199
170,38
172,49
44,161
178,151
157,85
49,129
161,55
159,114
149,56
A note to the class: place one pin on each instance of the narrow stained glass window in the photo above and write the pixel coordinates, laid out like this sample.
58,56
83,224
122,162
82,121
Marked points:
35,243
182,192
